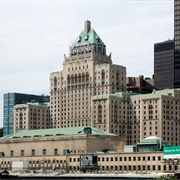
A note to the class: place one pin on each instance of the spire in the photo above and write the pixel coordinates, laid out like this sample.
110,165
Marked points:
87,26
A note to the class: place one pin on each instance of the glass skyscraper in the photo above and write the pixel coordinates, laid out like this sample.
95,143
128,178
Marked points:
10,100
177,43
164,65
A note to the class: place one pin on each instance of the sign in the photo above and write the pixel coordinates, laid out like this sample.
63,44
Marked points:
171,152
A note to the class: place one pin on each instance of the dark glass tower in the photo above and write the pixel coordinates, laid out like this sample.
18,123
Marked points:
164,65
177,43
10,100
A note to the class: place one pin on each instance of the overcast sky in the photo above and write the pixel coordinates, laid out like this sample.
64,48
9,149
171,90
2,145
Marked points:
35,35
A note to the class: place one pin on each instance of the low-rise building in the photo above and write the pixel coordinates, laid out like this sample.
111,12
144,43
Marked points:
60,149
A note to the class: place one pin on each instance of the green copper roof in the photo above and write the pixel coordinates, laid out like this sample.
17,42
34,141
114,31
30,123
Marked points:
85,39
58,132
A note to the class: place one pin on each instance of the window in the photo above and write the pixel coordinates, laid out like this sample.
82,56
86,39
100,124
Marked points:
33,152
11,153
22,152
44,152
55,151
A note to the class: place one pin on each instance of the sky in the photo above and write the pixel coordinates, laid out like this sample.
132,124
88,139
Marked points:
35,35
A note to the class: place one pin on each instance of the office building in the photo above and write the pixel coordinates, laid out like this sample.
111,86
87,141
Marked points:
1,132
10,100
164,65
167,57
177,44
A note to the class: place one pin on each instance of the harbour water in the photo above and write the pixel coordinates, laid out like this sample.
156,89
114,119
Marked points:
82,176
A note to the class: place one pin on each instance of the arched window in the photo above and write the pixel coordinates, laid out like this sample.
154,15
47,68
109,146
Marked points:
72,78
99,114
83,77
87,77
102,75
76,78
68,79
55,81
79,78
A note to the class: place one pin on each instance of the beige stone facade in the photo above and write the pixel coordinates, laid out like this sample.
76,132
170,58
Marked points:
120,163
48,146
31,116
48,152
137,116
91,91
88,71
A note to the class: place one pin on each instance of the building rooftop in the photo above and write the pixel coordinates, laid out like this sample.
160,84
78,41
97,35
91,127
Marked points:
58,132
87,36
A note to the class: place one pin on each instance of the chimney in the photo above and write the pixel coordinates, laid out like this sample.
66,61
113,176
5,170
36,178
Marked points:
87,26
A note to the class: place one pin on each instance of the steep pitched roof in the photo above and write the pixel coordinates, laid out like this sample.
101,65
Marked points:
85,39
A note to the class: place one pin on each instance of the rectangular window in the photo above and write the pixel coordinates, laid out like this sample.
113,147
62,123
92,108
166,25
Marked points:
164,167
11,153
22,152
33,152
44,152
55,152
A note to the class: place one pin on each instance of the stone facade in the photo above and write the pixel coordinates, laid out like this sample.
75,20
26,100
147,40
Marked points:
31,116
91,91
122,163
88,71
